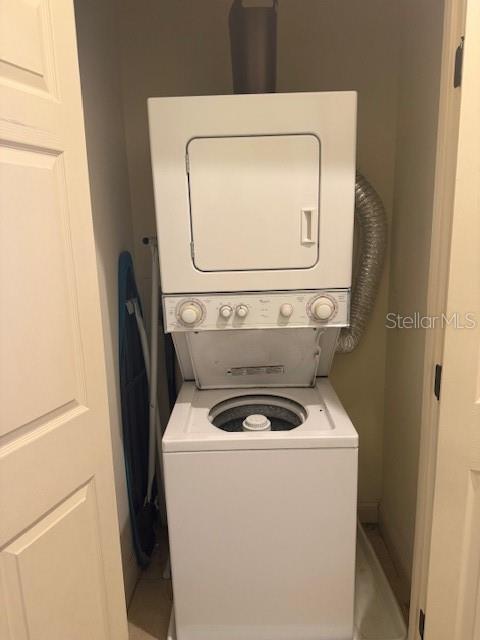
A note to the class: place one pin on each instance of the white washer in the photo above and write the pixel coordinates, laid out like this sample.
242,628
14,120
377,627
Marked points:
262,525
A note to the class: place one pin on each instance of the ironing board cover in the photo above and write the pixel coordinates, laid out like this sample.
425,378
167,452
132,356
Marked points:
135,407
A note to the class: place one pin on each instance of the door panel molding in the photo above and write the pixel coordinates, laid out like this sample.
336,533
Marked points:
28,569
27,52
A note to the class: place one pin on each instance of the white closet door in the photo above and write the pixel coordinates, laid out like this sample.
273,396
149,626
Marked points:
60,571
453,590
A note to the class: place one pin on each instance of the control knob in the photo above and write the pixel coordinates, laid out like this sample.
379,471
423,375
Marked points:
323,308
286,310
241,311
225,311
190,313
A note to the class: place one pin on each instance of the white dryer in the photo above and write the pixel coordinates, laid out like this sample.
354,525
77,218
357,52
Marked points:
254,192
254,206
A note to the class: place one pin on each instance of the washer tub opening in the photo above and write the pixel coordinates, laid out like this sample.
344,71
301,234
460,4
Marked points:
283,413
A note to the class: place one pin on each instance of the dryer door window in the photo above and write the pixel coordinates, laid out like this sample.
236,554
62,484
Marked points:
254,202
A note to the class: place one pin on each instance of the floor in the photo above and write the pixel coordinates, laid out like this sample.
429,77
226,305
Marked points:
388,567
149,611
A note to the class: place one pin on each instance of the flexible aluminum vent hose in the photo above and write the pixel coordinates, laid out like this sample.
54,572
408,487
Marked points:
371,222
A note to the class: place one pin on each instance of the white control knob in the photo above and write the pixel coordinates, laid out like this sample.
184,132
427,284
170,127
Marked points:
286,310
323,308
241,311
190,313
225,311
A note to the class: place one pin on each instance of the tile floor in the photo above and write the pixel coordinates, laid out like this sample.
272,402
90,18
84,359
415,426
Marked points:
149,611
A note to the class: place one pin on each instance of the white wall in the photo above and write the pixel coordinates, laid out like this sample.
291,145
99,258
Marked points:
102,102
182,48
410,248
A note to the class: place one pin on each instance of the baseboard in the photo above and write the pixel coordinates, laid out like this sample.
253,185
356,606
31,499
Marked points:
403,575
131,570
368,512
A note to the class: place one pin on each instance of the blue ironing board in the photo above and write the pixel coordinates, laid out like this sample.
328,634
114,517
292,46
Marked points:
135,405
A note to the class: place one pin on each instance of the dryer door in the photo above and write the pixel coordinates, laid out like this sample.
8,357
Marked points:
254,202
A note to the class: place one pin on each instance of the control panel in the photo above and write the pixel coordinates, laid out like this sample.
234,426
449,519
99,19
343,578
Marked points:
264,310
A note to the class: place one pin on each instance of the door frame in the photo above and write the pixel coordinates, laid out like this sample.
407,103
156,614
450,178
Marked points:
444,189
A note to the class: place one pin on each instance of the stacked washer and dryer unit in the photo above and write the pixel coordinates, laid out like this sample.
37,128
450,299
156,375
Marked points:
255,203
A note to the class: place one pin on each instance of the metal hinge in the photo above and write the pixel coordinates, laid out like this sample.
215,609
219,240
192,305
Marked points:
187,163
438,381
192,250
457,71
421,623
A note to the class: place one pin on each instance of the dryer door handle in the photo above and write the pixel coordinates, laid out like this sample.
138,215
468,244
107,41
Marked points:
308,226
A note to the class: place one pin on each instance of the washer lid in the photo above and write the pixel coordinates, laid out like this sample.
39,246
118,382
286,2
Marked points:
259,357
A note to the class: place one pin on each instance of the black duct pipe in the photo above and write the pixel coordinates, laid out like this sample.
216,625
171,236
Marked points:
253,45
